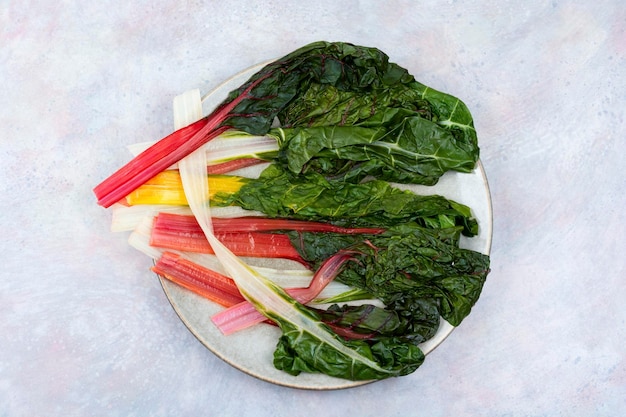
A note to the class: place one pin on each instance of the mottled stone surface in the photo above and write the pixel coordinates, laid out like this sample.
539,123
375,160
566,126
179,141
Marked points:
86,328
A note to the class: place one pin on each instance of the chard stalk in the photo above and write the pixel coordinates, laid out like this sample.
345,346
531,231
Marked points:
174,147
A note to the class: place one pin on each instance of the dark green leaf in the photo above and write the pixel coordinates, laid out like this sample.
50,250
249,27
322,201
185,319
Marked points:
279,193
299,351
399,267
328,85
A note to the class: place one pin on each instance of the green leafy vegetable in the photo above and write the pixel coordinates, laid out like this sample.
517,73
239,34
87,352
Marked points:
299,351
321,84
350,123
412,323
280,193
346,115
401,267
348,111
411,150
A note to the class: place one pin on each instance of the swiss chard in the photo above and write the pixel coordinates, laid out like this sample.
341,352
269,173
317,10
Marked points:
394,145
280,193
345,115
298,350
413,322
419,277
406,264
321,84
345,110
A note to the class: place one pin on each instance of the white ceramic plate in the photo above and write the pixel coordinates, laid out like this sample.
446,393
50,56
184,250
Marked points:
252,350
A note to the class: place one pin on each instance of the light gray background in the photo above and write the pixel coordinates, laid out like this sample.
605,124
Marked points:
86,329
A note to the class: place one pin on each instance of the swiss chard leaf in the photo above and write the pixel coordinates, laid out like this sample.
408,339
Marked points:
284,83
399,267
298,351
336,84
415,150
279,193
411,320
